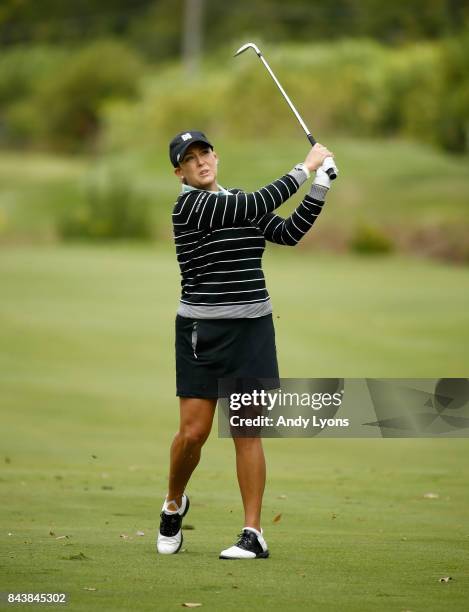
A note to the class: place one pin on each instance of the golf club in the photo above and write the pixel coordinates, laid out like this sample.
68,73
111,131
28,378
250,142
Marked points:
328,164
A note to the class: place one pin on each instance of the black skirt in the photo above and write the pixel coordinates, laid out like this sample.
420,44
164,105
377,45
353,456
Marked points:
214,354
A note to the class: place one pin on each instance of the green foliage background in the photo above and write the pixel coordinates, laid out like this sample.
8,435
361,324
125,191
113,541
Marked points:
355,66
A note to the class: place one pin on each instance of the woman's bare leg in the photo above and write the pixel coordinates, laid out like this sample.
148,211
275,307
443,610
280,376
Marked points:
196,418
250,466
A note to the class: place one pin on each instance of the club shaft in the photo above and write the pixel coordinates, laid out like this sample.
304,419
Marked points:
328,164
288,101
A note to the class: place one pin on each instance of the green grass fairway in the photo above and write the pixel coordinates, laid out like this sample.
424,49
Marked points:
88,412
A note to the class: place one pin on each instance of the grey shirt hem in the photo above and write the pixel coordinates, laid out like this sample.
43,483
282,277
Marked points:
231,311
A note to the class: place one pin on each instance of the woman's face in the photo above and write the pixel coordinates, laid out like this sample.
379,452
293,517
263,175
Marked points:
198,167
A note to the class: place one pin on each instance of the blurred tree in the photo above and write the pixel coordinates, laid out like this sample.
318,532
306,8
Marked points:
156,26
68,103
72,21
157,31
396,22
192,36
453,124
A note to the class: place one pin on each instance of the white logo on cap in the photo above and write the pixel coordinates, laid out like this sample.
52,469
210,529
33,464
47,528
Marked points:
186,136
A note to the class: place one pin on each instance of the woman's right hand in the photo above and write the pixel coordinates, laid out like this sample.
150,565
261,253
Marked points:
316,156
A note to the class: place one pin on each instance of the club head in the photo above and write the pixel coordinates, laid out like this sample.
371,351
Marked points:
249,45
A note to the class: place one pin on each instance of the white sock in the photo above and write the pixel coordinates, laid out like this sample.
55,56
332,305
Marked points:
258,533
171,501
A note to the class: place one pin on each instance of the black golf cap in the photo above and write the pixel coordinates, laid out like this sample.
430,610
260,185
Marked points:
180,143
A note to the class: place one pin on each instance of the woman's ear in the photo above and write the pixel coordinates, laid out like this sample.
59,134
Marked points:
178,173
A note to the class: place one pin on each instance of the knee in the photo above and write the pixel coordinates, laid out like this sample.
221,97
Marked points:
194,436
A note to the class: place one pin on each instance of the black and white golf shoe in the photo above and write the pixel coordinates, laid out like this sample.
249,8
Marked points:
251,545
170,537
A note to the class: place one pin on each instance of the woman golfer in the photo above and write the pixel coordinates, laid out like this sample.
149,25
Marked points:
224,325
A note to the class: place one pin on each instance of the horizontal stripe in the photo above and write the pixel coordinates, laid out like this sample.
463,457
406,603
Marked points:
246,280
240,228
213,263
224,303
224,292
224,251
222,240
223,272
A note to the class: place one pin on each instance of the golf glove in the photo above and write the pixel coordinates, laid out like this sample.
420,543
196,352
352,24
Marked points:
321,178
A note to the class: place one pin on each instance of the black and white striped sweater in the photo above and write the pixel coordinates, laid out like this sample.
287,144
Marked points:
220,240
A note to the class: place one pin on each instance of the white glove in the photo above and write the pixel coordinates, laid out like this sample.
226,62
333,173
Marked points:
321,178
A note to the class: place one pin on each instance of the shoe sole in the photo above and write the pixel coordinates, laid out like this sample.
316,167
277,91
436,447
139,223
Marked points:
182,536
262,555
